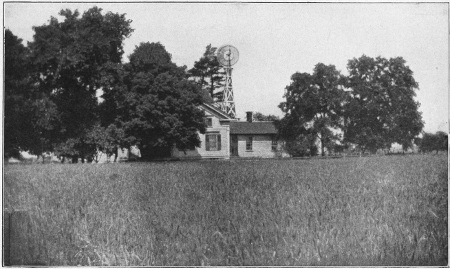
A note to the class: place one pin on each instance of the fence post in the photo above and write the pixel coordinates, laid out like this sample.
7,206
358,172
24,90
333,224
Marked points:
18,247
6,238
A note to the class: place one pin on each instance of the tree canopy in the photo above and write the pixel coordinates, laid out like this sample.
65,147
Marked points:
69,59
52,87
208,73
433,142
313,105
17,120
257,116
373,107
154,103
381,109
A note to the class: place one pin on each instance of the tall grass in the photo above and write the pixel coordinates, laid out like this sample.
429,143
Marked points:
361,211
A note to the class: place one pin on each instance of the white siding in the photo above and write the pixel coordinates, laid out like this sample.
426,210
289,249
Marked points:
201,152
262,146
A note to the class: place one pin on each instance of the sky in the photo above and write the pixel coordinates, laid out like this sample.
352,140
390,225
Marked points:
275,40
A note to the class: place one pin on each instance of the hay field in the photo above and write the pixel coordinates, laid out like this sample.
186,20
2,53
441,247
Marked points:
389,210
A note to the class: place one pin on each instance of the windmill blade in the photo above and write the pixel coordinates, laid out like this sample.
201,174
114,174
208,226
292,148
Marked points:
227,55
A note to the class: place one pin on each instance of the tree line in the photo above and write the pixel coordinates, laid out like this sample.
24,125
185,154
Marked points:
53,85
370,109
69,92
432,142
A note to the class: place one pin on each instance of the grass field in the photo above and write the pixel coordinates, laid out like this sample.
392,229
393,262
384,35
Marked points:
389,210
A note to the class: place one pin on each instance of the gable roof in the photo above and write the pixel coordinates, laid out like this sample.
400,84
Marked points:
215,110
257,127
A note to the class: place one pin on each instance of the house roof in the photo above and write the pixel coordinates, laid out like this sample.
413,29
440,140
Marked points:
216,110
257,127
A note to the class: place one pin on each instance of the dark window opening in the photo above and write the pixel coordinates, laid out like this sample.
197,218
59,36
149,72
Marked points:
249,143
274,144
213,142
208,122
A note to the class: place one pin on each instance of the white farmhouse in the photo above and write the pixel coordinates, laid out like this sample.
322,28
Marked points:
227,138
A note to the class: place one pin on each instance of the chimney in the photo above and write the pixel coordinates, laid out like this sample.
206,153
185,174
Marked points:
250,116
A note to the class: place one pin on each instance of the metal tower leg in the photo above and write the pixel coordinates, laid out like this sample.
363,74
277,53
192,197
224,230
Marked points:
227,104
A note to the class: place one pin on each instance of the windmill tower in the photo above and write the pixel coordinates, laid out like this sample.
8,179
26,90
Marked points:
227,56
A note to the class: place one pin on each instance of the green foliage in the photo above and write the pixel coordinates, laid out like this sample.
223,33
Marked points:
381,109
378,211
154,103
106,140
442,140
303,145
153,59
15,90
208,73
52,91
44,116
377,109
430,142
69,60
261,117
68,149
314,102
29,115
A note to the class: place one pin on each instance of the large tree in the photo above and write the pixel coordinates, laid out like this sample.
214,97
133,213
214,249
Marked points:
381,109
29,115
70,58
208,73
154,103
258,116
430,142
314,105
15,94
15,90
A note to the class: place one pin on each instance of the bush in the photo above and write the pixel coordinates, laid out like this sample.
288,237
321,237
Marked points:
433,142
303,145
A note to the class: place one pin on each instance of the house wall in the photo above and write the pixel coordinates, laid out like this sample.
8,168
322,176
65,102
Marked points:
201,152
262,146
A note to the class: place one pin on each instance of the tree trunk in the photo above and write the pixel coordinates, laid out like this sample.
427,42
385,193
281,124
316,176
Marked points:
322,146
212,87
75,159
82,152
211,92
82,157
116,153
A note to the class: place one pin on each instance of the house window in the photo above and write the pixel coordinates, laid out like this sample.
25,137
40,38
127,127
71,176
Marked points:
274,143
249,143
208,122
213,142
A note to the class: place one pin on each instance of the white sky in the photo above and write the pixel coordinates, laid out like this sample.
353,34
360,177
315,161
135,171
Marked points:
276,40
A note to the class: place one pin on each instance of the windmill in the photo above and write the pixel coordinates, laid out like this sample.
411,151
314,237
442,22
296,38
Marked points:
227,56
